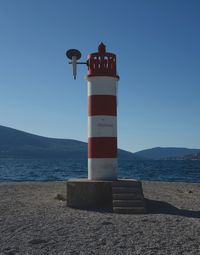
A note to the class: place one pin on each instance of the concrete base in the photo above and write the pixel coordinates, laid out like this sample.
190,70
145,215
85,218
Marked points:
84,193
122,195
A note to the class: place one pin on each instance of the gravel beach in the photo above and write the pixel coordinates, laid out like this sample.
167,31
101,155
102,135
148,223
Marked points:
34,219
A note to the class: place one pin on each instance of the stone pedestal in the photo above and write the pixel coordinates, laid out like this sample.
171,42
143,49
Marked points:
84,193
122,195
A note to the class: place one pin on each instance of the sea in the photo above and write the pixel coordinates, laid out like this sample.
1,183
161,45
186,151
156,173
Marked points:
64,169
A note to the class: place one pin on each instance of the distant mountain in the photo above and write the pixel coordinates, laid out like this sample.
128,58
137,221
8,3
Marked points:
19,144
165,153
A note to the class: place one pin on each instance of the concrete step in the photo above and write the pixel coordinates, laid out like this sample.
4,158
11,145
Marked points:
119,190
127,183
129,210
128,196
128,203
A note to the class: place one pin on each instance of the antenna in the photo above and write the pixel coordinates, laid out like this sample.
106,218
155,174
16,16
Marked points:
74,55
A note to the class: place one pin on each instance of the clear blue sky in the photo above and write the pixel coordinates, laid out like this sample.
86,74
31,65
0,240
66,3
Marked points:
158,49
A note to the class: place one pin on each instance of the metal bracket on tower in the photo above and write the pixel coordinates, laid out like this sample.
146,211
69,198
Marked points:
74,55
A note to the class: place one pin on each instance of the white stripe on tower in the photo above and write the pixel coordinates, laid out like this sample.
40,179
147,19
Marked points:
102,116
102,128
100,87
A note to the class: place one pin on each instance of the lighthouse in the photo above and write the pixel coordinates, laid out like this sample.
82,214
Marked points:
102,188
102,81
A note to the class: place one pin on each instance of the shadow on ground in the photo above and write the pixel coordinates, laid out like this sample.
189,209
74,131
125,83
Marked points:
152,207
156,207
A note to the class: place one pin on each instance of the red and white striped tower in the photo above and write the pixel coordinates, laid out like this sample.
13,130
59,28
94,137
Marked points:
102,115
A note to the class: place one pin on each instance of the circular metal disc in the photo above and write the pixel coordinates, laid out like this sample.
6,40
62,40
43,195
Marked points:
73,52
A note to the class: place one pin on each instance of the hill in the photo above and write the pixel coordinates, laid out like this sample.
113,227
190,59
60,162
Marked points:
165,152
20,144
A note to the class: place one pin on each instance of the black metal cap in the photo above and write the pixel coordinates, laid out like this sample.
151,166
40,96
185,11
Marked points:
73,52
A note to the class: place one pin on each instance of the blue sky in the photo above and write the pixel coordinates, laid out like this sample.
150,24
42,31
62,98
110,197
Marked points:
158,50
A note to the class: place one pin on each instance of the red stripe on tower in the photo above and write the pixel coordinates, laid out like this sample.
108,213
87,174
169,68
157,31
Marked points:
102,147
102,115
102,105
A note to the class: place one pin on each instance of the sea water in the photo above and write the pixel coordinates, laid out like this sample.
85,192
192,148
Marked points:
63,169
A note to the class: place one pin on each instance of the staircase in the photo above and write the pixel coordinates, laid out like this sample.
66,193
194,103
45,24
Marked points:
127,197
